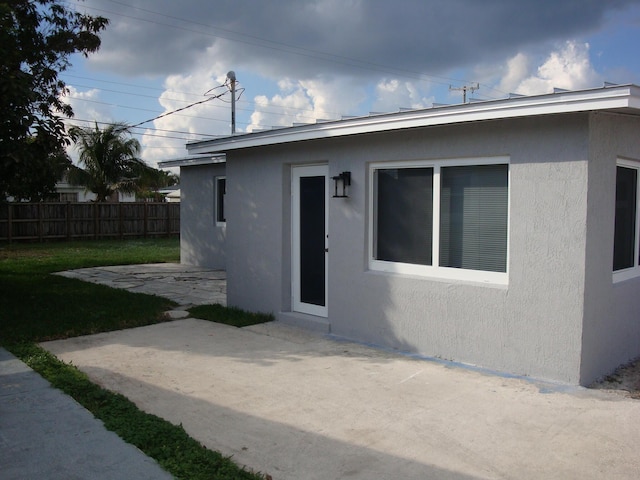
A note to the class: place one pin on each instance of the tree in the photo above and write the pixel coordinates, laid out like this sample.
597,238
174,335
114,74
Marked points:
35,181
109,160
37,38
152,180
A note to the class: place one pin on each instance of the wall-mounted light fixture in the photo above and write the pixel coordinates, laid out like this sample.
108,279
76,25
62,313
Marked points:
340,184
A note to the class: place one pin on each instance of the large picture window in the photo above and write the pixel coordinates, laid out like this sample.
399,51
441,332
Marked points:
626,248
446,218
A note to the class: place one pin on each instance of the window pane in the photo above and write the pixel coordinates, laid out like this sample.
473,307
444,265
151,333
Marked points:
473,217
404,219
625,223
221,191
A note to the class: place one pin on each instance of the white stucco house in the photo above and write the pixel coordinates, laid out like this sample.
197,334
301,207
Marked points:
502,233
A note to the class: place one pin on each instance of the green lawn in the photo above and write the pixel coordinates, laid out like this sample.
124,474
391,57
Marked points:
37,306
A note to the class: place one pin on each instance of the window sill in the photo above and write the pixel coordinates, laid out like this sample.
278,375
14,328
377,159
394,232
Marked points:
441,273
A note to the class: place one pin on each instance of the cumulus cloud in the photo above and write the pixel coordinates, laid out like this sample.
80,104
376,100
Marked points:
392,94
305,101
87,105
569,67
195,122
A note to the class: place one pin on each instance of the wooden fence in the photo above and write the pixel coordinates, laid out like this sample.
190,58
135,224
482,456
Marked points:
49,221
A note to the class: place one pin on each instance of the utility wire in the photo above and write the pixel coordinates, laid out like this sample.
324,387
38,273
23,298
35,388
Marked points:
145,129
285,109
182,108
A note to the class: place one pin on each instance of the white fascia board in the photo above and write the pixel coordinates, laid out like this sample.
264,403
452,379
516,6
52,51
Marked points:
609,98
193,161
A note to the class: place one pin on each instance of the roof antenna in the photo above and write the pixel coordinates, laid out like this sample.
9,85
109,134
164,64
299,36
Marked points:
231,76
464,89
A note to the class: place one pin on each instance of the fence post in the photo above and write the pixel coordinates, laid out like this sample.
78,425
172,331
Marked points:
67,217
40,223
166,205
95,220
10,222
120,221
145,219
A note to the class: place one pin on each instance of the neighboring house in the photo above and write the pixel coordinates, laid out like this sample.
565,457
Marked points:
171,194
65,192
503,234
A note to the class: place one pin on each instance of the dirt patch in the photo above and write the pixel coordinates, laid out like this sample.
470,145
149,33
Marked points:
625,380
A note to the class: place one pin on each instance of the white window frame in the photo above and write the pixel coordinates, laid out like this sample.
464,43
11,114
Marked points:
435,270
631,272
215,200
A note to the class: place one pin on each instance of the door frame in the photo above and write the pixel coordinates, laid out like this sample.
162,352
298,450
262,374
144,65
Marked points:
298,172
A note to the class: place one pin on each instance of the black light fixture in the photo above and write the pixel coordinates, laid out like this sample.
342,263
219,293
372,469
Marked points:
340,184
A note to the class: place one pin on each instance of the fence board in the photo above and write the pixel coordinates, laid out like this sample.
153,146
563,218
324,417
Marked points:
48,221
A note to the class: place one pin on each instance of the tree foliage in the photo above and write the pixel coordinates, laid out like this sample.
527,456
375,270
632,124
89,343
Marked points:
153,180
109,161
37,38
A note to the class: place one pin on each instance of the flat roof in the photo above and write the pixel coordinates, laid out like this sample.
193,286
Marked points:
614,98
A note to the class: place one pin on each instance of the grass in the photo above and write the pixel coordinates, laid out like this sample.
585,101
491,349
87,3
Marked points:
36,306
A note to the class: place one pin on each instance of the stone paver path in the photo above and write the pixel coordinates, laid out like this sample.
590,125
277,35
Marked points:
184,284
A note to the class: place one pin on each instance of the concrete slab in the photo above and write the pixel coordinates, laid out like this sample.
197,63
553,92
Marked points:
299,405
46,434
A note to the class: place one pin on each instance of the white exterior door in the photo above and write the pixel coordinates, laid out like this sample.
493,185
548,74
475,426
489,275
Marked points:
310,245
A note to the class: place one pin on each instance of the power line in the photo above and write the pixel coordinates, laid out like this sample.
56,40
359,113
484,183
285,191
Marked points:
141,109
145,129
286,109
182,108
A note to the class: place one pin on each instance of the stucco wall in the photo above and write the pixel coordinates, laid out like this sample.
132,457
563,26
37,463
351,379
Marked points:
612,310
202,242
532,326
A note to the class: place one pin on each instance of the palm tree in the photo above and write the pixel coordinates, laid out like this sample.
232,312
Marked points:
109,160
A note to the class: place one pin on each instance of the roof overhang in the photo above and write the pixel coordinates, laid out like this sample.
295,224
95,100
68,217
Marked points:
617,98
193,160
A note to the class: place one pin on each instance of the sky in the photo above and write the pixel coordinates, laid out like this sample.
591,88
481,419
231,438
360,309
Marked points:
297,61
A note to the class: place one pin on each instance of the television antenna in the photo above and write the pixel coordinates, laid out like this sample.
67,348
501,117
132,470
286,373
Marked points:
464,89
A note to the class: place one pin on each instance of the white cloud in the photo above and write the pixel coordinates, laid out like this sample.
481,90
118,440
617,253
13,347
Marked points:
568,67
306,101
87,105
394,94
167,138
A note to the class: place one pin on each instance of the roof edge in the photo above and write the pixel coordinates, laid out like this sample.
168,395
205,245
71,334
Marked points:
603,98
193,161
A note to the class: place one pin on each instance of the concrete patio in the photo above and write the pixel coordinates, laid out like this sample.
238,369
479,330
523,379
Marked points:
297,405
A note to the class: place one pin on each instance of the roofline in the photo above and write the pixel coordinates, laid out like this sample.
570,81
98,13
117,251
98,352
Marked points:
603,98
193,161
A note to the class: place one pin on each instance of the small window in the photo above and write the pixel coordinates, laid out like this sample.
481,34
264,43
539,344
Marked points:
221,192
625,237
443,218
